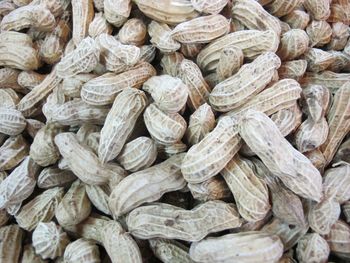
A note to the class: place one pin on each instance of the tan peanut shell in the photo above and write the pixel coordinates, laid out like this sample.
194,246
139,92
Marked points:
39,92
289,234
293,44
120,122
8,98
171,12
336,182
317,159
230,93
263,137
252,246
201,122
170,63
318,60
51,177
166,151
103,90
340,35
138,154
78,112
83,12
282,8
99,25
312,248
339,12
328,79
208,157
214,188
36,16
30,79
39,209
339,239
155,181
49,240
81,251
288,120
98,195
147,53
133,32
171,222
43,149
198,88
12,152
81,60
209,7
117,11
250,192
253,16
169,250
251,42
319,32
71,87
12,121
297,19
231,59
318,9
6,7
346,211
79,155
74,207
201,30
169,93
11,245
120,246
161,37
294,69
338,121
9,78
166,128
323,215
29,255
341,61
191,50
33,126
19,184
281,95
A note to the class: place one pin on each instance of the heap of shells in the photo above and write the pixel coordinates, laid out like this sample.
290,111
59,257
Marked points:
175,131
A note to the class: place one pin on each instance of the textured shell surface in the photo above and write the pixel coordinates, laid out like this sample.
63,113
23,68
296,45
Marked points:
231,59
294,43
319,10
11,243
209,7
171,222
99,25
39,209
201,30
161,37
297,19
236,90
29,255
83,162
83,11
249,191
103,90
280,95
51,177
171,12
99,195
336,182
328,79
247,247
133,32
120,122
166,128
71,87
319,32
293,168
282,8
119,244
169,250
138,154
82,251
83,59
201,122
169,93
19,184
253,16
312,248
75,206
208,157
12,121
338,121
318,60
147,185
339,238
198,88
251,42
49,240
12,152
8,98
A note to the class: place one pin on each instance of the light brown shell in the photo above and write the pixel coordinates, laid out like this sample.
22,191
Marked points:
161,37
297,19
12,121
82,251
318,9
293,44
133,32
318,60
11,245
312,248
49,240
12,152
294,69
209,7
83,12
99,25
231,59
319,32
283,7
51,177
170,250
339,239
208,157
336,182
340,35
171,222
